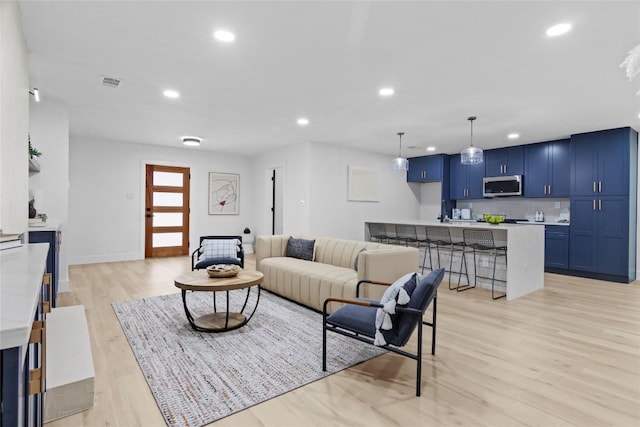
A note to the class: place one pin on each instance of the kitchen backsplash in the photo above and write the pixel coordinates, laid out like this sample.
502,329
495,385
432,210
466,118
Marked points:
518,207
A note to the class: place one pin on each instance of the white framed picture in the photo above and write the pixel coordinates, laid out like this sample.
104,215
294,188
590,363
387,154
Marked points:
363,185
223,193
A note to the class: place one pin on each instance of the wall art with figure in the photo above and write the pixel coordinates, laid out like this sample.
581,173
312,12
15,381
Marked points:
223,193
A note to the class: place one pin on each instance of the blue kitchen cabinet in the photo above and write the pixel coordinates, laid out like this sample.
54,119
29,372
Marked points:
556,247
547,167
53,238
465,181
600,162
504,161
426,168
599,238
603,204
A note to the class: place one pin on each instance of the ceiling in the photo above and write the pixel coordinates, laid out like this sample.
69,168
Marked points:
326,61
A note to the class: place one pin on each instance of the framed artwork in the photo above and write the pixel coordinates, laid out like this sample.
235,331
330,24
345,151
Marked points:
363,185
223,193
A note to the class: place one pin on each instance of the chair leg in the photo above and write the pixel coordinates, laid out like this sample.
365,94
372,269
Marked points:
419,361
493,278
433,324
324,342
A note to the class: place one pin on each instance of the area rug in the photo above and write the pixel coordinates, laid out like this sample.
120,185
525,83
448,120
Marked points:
197,378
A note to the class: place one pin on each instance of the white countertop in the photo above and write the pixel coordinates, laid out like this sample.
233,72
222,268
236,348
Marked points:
44,226
21,271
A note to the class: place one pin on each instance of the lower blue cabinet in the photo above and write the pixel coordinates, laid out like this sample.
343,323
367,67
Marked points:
556,246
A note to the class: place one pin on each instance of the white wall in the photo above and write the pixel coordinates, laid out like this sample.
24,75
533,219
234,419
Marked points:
106,197
331,214
49,128
295,163
430,200
14,121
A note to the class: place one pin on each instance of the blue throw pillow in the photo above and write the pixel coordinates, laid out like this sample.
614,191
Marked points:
300,248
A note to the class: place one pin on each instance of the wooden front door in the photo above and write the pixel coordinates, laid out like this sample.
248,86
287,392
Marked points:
166,211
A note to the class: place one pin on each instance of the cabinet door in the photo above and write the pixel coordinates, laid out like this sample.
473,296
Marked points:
536,172
559,169
425,168
457,178
494,161
50,237
556,246
613,162
475,173
613,235
414,174
504,161
584,162
583,242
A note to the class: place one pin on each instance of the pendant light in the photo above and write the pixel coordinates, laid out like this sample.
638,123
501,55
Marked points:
400,163
471,155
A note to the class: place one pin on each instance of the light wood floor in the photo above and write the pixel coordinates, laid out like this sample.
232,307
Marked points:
566,355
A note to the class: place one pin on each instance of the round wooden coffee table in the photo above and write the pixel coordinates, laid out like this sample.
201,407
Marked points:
199,281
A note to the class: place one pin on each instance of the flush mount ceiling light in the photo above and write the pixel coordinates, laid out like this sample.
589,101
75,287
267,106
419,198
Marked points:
431,148
303,121
36,94
386,91
559,29
400,163
169,93
471,155
513,135
224,36
191,141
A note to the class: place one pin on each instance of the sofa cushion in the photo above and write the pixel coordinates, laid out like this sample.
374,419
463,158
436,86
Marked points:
213,261
300,248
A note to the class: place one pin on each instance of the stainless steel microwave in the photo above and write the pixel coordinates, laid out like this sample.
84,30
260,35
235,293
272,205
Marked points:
501,186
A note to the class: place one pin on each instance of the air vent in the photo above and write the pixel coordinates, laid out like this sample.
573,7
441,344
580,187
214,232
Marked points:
110,81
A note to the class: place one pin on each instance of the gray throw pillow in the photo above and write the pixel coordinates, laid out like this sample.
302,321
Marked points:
355,263
300,248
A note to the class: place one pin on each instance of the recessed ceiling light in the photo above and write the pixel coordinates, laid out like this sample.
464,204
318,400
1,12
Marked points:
303,121
431,148
171,93
191,141
224,36
513,135
386,91
559,29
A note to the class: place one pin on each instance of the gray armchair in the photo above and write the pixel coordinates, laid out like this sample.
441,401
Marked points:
357,319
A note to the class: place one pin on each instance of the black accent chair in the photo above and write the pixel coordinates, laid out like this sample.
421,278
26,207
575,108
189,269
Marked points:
197,264
356,319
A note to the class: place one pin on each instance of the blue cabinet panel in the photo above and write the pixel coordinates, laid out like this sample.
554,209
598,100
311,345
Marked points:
547,169
504,161
465,181
556,246
601,162
426,168
53,258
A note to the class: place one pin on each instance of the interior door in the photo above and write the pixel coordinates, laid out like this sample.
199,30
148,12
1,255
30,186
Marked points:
166,211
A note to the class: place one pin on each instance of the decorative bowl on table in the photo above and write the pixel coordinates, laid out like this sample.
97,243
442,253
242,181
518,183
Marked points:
223,270
494,219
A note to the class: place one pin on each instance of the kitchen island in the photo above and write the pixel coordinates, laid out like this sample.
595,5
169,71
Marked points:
524,272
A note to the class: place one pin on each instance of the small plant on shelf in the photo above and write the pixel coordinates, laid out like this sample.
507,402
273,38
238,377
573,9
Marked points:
33,152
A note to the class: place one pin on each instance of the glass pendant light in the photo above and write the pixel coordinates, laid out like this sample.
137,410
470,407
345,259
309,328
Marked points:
400,163
471,155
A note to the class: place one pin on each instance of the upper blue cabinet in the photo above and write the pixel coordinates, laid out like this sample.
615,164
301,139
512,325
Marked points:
465,181
601,162
547,167
504,161
426,168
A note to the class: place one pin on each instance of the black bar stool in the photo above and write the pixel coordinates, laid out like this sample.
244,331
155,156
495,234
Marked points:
407,234
441,238
377,232
424,242
481,242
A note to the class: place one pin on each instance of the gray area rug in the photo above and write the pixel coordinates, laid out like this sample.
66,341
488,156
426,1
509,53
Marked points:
197,378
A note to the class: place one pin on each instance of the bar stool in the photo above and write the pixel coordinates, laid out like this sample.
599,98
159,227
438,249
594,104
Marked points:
424,242
377,232
441,238
481,242
407,234
392,233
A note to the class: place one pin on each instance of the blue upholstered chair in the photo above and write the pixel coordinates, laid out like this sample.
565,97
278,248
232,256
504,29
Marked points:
357,318
218,250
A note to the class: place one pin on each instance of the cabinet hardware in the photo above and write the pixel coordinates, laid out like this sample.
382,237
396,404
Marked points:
48,291
600,204
599,186
549,188
38,376
594,205
594,186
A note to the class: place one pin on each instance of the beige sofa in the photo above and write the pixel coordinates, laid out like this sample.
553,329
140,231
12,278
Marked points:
332,272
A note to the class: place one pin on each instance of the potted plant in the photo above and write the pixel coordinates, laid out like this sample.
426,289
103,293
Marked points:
33,152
